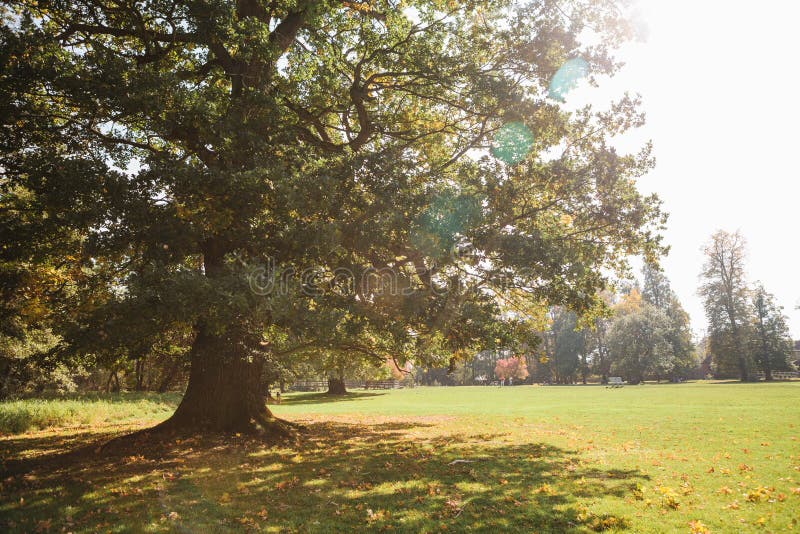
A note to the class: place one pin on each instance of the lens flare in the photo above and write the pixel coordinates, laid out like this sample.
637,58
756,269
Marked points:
567,78
448,215
512,142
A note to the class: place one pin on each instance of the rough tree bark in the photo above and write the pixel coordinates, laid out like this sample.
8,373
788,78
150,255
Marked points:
225,393
336,386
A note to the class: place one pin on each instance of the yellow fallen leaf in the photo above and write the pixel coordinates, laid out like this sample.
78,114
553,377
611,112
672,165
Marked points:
697,527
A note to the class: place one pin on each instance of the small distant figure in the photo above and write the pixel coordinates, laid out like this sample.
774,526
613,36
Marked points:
278,397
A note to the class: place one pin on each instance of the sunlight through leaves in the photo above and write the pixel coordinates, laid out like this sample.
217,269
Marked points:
512,142
567,78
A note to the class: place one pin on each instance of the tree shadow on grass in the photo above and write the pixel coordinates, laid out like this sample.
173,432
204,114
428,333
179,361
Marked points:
400,475
322,398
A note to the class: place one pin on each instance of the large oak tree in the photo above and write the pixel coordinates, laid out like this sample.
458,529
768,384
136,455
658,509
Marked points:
156,153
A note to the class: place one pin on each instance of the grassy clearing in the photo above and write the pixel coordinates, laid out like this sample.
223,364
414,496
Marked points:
671,458
95,409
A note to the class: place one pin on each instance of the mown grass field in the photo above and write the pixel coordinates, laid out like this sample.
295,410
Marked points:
670,458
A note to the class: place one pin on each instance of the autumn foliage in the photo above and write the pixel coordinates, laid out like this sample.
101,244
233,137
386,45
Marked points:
513,367
398,373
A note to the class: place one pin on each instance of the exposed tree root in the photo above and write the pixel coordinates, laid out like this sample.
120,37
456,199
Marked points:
271,429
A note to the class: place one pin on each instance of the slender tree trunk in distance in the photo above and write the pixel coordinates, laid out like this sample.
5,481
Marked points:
742,361
166,382
584,369
767,367
6,380
112,378
139,367
737,342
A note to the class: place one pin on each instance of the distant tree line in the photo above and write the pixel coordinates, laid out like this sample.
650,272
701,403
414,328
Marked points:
644,335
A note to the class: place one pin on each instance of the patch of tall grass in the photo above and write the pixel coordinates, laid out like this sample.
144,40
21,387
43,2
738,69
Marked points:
30,414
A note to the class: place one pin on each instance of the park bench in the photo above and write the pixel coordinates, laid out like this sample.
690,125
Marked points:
615,382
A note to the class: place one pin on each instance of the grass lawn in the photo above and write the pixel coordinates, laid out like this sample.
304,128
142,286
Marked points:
670,458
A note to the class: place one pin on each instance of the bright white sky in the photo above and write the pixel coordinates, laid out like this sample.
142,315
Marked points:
721,90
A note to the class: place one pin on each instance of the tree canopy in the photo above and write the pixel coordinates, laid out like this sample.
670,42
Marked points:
164,162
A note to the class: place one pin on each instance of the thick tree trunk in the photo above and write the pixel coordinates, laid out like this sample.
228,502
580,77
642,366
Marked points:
336,386
224,393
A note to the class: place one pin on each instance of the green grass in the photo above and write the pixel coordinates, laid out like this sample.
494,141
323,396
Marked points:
669,458
93,409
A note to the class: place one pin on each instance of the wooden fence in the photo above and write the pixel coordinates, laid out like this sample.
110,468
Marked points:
322,385
778,375
382,384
